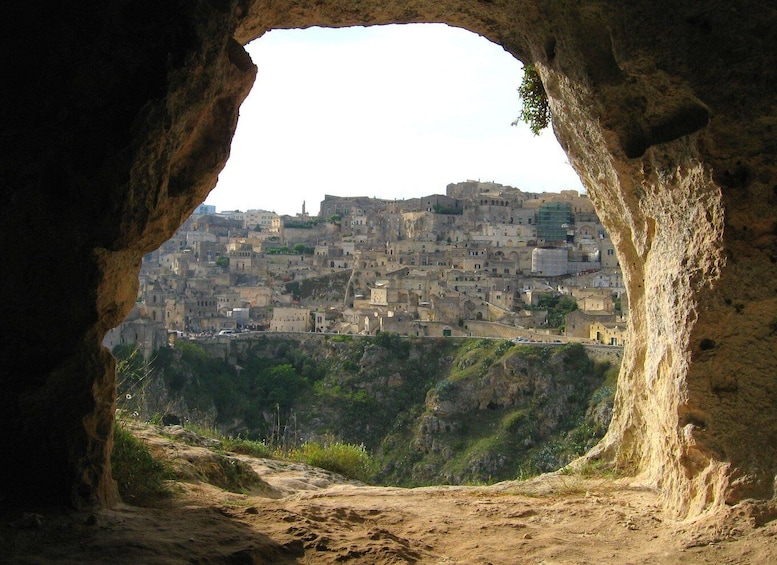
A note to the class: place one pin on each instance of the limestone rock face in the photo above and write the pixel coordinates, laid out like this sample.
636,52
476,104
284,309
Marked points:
123,115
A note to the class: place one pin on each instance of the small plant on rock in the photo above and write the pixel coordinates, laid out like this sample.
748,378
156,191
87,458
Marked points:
535,110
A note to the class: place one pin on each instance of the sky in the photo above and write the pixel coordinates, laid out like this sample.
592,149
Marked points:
395,111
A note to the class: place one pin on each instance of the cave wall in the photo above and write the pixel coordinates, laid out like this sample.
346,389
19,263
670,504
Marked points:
119,119
125,112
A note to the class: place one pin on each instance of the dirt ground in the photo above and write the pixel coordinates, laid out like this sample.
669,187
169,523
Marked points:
303,515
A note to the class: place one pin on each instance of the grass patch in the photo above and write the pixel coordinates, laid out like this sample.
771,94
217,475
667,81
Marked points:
141,478
592,468
349,460
257,449
340,338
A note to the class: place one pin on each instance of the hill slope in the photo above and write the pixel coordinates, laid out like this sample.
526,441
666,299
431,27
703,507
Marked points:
431,411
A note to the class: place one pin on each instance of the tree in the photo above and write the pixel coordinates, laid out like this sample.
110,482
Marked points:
536,109
302,249
222,261
279,385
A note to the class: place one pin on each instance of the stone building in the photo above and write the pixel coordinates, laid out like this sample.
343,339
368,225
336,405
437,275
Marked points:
609,333
578,322
290,320
138,333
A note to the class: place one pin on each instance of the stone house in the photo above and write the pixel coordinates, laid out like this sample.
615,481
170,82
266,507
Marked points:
267,221
613,333
608,258
208,251
578,323
154,303
226,301
499,266
502,294
327,321
401,323
175,313
242,260
446,309
596,302
379,294
530,318
255,295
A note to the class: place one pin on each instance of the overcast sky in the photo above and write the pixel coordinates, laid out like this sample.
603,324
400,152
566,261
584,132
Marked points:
389,111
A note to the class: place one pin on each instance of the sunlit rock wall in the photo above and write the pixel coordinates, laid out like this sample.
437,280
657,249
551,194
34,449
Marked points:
672,134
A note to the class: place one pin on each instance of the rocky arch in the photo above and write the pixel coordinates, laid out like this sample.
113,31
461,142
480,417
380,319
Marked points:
124,112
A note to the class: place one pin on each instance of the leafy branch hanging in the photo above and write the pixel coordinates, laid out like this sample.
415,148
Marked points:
535,109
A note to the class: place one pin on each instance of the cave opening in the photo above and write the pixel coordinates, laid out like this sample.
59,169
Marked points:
127,120
384,91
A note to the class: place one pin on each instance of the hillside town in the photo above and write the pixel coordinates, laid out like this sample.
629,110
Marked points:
482,260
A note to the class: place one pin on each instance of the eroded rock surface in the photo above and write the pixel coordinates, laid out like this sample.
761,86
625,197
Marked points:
123,115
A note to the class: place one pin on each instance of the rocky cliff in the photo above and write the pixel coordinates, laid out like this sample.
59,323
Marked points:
122,118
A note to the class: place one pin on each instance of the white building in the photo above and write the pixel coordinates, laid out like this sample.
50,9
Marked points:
267,221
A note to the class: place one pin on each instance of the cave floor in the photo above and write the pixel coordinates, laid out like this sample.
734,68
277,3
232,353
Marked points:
308,516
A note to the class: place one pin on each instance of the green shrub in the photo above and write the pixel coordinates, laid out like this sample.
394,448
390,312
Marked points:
486,363
393,342
140,477
601,394
548,457
445,389
557,307
535,109
503,346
